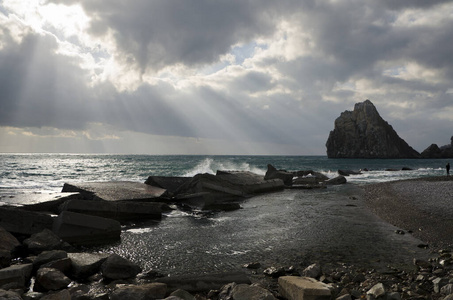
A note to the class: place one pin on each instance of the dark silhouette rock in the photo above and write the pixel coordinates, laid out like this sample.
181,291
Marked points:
45,240
434,151
81,229
273,173
362,133
48,279
117,267
336,181
349,172
86,264
8,245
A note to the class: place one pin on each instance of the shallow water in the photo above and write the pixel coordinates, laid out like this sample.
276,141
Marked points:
287,228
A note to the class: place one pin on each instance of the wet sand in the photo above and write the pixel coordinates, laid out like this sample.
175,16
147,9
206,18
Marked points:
422,206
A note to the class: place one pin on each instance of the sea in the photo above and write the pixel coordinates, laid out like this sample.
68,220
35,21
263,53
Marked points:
277,228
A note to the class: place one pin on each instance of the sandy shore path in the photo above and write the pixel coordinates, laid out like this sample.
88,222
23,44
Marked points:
423,206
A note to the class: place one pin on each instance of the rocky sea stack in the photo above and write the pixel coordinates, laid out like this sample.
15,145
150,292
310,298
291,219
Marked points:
362,133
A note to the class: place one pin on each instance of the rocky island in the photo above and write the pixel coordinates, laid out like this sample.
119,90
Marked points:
362,133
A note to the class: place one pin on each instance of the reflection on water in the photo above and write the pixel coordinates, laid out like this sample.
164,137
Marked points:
286,228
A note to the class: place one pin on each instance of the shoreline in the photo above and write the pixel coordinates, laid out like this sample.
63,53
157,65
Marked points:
420,206
363,221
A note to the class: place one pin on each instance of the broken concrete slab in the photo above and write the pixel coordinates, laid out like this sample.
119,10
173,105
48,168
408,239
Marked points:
43,202
171,184
306,288
19,221
206,191
86,264
16,276
81,229
116,191
120,211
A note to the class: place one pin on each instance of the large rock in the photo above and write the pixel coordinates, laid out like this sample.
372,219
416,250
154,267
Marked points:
48,279
362,133
251,292
16,276
8,246
117,267
336,181
24,222
295,288
273,173
86,264
47,257
80,229
45,240
120,211
140,292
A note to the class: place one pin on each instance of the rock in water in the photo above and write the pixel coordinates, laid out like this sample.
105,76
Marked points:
362,133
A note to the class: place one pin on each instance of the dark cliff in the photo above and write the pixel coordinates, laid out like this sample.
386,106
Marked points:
362,133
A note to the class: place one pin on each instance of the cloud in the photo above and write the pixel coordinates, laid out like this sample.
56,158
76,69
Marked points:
247,72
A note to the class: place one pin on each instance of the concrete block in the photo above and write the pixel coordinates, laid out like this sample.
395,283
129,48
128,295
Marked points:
24,222
81,229
303,288
17,275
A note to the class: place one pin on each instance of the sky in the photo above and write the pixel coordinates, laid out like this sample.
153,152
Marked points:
251,77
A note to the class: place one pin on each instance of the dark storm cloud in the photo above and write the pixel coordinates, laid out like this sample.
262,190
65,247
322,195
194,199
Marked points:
353,40
40,88
154,34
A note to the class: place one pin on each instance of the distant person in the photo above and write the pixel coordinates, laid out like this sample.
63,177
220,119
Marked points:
448,168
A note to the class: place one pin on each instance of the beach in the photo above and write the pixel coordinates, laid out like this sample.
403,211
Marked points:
420,206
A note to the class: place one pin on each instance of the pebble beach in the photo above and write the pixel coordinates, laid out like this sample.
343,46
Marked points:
421,206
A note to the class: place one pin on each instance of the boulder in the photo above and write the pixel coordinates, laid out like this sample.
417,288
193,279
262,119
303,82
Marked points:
45,240
120,211
363,133
47,257
293,287
116,267
8,246
16,276
273,173
310,173
312,271
182,294
251,292
80,229
48,279
378,290
19,221
86,264
116,191
60,295
336,181
139,292
349,172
